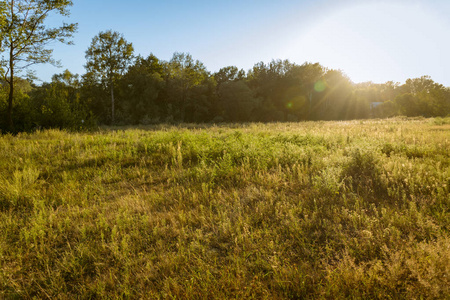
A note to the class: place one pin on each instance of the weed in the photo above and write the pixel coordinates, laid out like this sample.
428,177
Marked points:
284,210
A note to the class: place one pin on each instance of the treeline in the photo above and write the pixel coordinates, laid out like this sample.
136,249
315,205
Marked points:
149,91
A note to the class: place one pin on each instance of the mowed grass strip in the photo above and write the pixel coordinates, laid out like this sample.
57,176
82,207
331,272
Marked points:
355,209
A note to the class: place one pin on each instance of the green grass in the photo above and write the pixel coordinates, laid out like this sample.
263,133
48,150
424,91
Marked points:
309,210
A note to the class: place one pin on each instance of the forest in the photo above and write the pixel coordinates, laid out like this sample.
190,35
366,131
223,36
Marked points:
120,88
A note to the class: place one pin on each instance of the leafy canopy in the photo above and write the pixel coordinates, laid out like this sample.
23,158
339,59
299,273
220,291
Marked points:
108,56
25,37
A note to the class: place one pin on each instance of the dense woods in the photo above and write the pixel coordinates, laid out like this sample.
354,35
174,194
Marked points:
122,89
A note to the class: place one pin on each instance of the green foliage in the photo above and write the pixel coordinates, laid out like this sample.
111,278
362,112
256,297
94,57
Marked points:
387,109
408,104
140,91
25,38
24,113
151,91
227,74
108,57
188,89
59,104
237,101
423,97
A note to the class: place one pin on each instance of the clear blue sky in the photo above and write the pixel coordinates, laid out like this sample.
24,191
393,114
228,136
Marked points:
370,40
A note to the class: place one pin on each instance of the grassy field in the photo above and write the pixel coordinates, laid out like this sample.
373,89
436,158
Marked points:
310,210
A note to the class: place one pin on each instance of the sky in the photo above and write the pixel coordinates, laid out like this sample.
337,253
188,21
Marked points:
369,40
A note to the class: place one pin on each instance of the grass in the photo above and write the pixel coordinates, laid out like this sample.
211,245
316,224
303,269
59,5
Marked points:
308,210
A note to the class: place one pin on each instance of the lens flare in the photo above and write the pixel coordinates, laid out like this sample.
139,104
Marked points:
320,86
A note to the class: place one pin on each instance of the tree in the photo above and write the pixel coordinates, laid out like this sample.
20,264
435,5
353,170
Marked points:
25,38
337,100
140,89
230,73
183,76
59,104
408,104
417,85
108,56
237,101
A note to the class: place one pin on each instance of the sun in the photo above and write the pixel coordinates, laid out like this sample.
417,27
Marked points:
376,42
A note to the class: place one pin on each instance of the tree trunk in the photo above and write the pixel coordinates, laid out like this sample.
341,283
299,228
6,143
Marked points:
112,103
10,125
310,103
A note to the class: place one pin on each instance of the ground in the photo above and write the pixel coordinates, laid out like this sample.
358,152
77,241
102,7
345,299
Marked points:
356,209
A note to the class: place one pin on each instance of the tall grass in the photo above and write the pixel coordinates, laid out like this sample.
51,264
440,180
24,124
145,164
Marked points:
354,209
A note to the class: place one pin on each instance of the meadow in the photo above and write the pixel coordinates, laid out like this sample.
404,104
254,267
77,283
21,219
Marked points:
310,210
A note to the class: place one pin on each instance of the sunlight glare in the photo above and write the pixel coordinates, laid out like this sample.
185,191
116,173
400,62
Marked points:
376,42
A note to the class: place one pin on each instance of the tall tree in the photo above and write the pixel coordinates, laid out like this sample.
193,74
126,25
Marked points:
140,89
25,37
108,57
184,74
230,73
